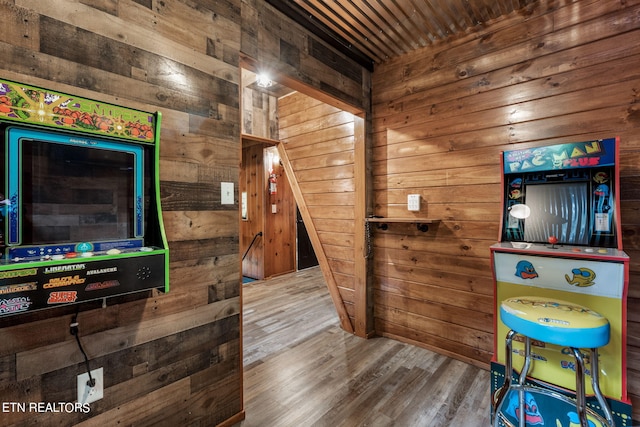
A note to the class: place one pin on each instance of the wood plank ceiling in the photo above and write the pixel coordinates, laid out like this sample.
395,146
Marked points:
376,31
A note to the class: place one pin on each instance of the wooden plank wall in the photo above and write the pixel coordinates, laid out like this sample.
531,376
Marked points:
175,358
169,358
562,72
301,62
275,251
318,140
252,181
279,221
259,119
259,109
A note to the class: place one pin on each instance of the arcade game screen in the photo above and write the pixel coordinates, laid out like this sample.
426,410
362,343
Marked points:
559,210
73,194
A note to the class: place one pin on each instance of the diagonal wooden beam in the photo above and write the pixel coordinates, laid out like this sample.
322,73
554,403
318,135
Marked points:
345,321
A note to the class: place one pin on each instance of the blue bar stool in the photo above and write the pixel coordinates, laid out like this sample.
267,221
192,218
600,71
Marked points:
556,322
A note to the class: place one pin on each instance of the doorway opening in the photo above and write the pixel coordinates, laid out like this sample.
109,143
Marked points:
273,236
305,148
306,255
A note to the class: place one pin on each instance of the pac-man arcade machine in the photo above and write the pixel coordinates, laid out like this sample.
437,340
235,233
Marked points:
560,238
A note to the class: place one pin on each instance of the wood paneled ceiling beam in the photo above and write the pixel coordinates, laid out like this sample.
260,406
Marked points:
386,29
437,28
349,27
395,24
373,32
382,22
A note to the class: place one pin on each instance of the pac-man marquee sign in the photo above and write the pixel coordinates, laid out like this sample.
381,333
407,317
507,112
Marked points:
561,157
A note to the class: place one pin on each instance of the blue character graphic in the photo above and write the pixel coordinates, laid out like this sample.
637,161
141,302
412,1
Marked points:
602,206
574,421
531,413
4,205
602,198
526,270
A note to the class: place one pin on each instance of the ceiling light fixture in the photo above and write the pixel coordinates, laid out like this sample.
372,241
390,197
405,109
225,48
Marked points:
264,81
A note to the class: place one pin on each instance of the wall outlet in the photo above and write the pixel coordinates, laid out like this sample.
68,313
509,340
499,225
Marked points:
86,393
413,202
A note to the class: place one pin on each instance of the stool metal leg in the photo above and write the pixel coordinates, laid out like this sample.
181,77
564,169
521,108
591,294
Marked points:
508,374
595,384
522,419
508,381
581,404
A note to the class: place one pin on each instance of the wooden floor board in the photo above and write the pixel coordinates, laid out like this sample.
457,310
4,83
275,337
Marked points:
301,369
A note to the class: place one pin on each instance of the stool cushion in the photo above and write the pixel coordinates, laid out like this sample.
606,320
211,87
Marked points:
555,321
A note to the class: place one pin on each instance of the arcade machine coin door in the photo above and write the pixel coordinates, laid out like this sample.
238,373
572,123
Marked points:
81,216
560,238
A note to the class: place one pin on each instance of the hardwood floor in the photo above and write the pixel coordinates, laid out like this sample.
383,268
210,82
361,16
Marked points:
301,369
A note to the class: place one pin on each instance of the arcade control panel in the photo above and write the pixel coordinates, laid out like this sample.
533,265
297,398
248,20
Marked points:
58,252
559,250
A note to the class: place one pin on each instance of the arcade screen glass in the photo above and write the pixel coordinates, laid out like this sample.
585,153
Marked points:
559,209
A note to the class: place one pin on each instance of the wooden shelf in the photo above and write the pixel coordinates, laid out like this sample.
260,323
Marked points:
421,223
405,220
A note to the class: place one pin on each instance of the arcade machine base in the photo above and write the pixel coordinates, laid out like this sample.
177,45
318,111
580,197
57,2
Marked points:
550,406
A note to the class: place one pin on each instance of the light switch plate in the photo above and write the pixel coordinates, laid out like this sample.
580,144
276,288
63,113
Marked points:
226,189
413,202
